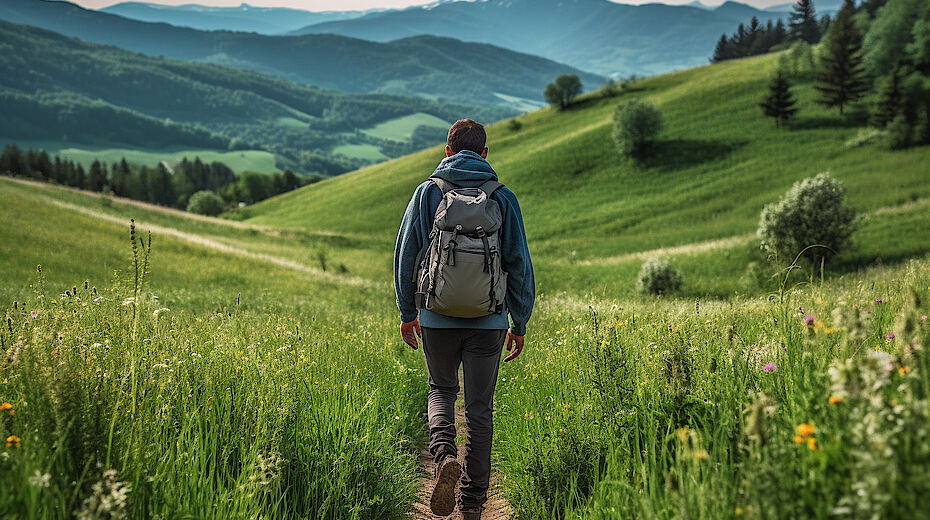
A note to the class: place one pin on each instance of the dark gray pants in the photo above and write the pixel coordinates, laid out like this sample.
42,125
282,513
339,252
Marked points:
479,353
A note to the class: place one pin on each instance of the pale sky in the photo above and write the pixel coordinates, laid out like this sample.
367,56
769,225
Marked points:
350,5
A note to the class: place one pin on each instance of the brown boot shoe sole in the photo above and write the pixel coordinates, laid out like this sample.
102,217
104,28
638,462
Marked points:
442,502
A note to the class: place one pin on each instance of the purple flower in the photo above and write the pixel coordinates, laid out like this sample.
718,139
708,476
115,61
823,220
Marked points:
809,321
890,335
770,367
879,301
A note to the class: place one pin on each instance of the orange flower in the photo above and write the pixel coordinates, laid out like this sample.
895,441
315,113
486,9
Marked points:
805,430
13,442
835,399
798,439
812,443
6,406
904,370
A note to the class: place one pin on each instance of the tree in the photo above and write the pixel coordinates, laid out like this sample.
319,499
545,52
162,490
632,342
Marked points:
841,74
891,99
722,51
636,125
205,203
890,34
779,104
812,213
97,176
563,90
803,22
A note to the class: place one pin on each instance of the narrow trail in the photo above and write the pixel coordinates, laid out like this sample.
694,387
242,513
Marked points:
496,508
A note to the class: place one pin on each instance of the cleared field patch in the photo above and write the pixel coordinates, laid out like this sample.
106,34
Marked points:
401,128
360,151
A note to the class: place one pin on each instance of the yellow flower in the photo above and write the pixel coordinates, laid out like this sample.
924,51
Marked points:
739,511
798,439
812,443
835,399
904,370
13,442
6,406
805,430
682,433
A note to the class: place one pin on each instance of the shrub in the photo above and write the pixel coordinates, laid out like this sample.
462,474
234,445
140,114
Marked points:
810,214
205,203
636,125
658,277
514,125
900,133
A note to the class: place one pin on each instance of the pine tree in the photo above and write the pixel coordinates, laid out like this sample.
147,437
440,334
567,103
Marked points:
779,104
722,51
841,75
97,176
891,99
803,22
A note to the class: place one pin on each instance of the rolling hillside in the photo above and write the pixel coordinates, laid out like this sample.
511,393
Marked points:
593,216
431,67
596,35
245,17
61,90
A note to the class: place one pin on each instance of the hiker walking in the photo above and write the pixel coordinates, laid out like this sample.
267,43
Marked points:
461,265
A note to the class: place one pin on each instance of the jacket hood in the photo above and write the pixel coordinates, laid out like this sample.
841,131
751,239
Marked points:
466,169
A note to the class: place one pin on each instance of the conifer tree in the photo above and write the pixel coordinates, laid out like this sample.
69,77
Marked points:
779,104
722,51
803,22
891,99
841,74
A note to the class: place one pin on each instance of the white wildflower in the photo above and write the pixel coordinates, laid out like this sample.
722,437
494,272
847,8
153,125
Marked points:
40,480
129,301
159,312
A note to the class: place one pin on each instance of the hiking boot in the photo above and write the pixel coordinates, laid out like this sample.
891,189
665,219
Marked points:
448,471
472,513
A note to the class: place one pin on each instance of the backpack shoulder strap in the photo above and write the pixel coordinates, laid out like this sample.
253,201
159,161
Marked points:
444,185
490,187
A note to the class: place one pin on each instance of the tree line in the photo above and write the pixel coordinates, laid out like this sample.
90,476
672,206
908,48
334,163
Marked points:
162,184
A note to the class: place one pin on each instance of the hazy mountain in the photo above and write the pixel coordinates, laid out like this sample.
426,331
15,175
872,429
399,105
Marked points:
247,18
821,6
596,35
438,68
57,88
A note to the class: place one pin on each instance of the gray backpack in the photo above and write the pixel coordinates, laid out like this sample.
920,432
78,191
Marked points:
460,273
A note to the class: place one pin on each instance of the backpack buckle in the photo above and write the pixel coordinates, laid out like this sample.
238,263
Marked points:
480,231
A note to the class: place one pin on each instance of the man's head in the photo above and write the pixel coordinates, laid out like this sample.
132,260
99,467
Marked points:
467,134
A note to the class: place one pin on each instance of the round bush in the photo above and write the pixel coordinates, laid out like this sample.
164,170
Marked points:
810,214
636,125
205,203
658,277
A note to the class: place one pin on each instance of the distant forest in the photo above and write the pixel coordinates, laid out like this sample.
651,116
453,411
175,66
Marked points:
159,184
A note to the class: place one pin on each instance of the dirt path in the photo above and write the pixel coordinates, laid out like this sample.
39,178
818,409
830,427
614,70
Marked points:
496,508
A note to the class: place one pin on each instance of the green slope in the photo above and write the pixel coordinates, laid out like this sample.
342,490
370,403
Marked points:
719,162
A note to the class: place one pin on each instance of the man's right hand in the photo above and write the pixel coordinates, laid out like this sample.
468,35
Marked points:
514,346
409,332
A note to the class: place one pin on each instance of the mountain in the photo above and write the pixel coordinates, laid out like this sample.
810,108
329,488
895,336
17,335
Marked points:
59,89
246,18
821,6
437,68
596,35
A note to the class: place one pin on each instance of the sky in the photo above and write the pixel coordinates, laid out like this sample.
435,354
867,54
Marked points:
349,5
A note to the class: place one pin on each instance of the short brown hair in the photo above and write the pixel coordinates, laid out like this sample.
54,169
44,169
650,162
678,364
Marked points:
467,134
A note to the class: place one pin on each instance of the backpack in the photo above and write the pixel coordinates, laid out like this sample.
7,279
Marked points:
460,273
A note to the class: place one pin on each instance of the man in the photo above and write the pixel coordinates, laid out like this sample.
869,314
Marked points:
475,342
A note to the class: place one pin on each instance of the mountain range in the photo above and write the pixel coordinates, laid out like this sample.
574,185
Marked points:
595,35
427,66
245,17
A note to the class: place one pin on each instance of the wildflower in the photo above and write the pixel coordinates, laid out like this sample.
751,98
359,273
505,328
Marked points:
806,429
40,480
129,301
798,439
34,314
159,312
739,511
770,367
879,301
6,406
923,318
682,433
890,335
13,442
812,443
903,370
835,399
809,321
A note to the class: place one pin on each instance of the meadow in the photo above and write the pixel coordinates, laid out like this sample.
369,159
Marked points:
252,368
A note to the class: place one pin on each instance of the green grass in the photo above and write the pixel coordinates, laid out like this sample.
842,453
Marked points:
360,151
239,161
274,388
401,128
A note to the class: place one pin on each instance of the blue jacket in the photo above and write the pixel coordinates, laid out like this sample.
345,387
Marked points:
469,170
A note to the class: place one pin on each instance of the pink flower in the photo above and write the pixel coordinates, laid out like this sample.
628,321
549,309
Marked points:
890,335
809,321
923,318
36,313
770,367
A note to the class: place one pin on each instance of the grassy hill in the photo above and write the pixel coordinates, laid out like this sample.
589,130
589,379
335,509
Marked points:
67,91
592,215
433,67
596,35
